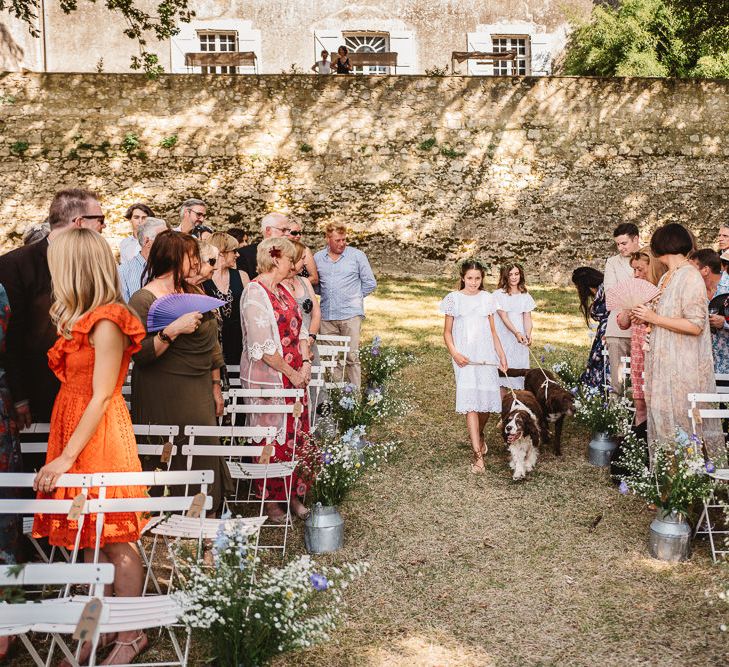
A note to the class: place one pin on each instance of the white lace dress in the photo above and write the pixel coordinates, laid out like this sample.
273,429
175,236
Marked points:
517,355
477,385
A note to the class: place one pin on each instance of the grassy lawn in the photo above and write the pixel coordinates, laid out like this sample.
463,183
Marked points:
484,571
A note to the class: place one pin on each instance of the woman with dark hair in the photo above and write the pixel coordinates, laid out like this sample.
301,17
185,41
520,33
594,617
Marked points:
136,214
342,63
588,282
679,360
176,374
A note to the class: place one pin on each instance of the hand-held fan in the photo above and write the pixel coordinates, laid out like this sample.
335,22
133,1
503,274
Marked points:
630,293
719,305
167,309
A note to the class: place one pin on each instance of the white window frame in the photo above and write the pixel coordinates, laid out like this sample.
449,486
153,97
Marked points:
217,42
511,67
367,69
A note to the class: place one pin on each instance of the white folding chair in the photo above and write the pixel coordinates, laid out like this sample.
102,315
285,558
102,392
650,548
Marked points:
722,383
707,524
51,615
241,470
153,438
334,348
233,375
315,388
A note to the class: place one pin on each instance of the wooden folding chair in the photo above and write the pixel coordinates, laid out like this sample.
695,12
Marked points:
713,509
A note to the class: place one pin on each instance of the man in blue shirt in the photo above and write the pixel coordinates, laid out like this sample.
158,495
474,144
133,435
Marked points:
345,279
130,272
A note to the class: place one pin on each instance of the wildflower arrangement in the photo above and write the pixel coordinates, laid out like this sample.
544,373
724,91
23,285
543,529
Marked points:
569,369
677,477
353,406
380,362
594,410
334,462
246,624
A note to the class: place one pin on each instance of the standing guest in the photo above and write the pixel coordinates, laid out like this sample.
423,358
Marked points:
130,246
192,213
470,336
227,284
35,233
90,428
724,282
176,374
130,271
617,269
10,460
240,235
589,284
208,262
343,65
679,360
345,279
322,66
708,263
30,334
514,324
273,225
308,267
723,239
276,355
645,267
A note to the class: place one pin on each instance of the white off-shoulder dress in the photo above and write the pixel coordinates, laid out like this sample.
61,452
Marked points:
517,355
477,385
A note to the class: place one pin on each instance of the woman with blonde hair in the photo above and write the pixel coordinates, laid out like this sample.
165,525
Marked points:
646,267
227,284
276,355
91,430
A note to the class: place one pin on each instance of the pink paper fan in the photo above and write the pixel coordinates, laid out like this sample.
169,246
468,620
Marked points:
630,293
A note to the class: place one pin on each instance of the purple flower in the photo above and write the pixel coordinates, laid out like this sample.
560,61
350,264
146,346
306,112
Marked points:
623,488
695,439
319,582
375,351
710,467
348,389
327,458
541,358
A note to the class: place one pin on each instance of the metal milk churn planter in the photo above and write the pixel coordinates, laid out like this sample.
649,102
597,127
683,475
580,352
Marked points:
324,530
601,449
670,536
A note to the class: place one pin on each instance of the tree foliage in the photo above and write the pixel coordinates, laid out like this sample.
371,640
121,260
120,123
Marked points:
681,38
139,23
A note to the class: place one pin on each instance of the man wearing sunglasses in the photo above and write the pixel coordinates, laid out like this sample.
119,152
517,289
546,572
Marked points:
24,274
273,225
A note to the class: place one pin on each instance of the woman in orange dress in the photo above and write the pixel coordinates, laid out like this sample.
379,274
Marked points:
91,430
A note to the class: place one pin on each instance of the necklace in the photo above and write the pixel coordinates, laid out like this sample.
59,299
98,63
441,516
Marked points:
276,291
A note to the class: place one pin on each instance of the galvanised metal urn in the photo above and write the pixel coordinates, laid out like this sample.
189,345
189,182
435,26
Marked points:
324,530
601,449
670,536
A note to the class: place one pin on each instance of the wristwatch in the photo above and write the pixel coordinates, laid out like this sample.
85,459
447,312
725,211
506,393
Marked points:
164,337
312,336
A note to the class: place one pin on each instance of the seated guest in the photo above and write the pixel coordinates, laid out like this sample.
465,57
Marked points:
276,355
130,271
90,428
679,360
708,263
130,245
176,374
588,282
645,267
227,284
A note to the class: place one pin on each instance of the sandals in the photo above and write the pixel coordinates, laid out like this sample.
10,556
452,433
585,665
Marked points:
141,638
107,639
477,465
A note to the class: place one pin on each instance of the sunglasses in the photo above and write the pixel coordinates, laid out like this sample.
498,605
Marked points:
294,233
100,218
212,261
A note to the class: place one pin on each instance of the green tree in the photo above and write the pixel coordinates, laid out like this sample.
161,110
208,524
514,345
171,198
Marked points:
139,23
682,38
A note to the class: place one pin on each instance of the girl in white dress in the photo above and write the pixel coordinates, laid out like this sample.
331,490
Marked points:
471,338
514,324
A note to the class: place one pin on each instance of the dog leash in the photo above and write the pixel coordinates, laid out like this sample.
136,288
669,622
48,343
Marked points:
547,379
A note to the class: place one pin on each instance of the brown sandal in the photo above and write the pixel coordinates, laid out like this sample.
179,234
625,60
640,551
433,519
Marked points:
141,638
477,465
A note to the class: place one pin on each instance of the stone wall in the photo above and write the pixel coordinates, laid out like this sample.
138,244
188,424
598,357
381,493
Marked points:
424,170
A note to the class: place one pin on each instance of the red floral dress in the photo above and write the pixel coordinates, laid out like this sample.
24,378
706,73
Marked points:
113,448
288,319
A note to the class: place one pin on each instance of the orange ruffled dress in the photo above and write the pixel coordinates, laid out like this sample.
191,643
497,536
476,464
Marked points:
112,448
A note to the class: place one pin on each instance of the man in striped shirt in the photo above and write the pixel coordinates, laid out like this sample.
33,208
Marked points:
130,272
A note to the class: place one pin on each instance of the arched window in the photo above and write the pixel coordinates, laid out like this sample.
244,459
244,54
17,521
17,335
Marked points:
367,42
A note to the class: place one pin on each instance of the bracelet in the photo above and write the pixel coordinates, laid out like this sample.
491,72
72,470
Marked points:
218,382
164,337
306,361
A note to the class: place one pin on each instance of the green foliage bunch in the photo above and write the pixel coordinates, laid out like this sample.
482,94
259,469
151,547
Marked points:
653,38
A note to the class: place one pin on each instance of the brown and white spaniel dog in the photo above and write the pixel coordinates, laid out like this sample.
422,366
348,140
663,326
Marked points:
554,400
521,428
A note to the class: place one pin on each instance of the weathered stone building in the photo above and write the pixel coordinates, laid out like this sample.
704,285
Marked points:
282,33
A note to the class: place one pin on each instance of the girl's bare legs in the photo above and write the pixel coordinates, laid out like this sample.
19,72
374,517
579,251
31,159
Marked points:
473,422
483,417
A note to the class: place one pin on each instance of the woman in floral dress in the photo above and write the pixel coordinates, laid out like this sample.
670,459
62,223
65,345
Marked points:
588,282
276,355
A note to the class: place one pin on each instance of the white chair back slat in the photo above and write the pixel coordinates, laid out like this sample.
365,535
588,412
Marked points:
222,450
34,506
155,450
25,480
257,433
250,409
333,338
152,430
267,393
162,504
36,428
40,574
157,478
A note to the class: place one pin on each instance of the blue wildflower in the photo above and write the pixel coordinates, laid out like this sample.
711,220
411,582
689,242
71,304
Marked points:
327,458
376,341
375,351
710,467
319,582
623,488
348,389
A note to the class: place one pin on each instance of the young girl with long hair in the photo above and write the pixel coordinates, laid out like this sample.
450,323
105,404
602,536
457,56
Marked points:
471,338
514,324
91,430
